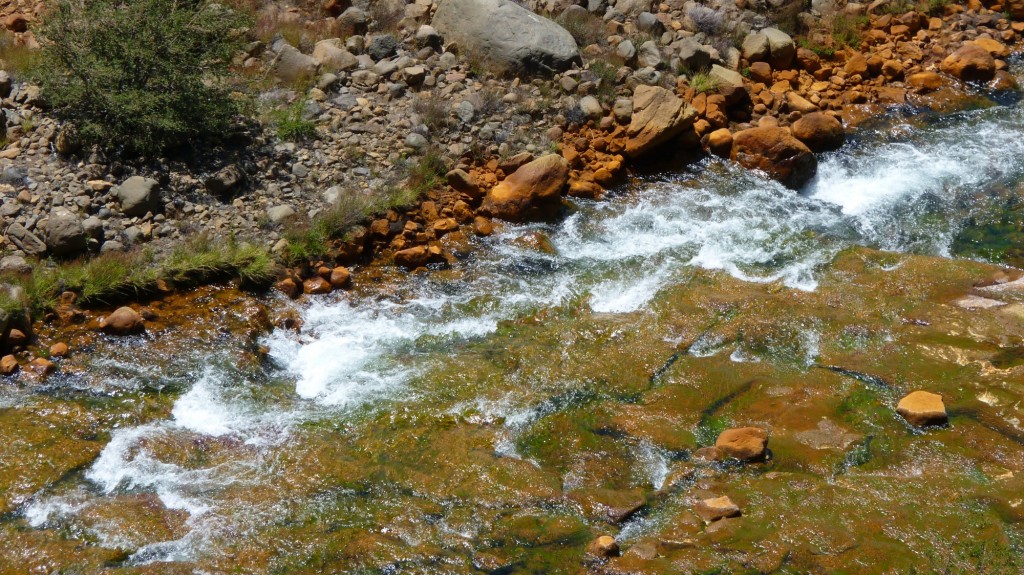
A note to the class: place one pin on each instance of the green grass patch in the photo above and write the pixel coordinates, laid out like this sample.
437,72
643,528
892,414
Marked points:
704,83
290,123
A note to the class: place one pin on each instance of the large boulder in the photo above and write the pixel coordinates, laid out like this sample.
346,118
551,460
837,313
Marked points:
534,191
506,36
332,57
291,65
776,152
971,63
819,132
658,116
769,45
64,234
138,195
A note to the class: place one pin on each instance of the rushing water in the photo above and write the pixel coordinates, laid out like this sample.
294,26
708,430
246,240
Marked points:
908,187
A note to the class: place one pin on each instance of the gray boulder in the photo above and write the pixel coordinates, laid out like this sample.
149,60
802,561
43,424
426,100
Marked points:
332,57
138,195
382,46
26,240
769,45
693,55
506,36
63,233
292,65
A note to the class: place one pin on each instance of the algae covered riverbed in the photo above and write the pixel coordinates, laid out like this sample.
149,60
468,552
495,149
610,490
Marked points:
557,384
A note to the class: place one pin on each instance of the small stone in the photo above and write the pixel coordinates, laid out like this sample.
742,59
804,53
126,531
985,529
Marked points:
41,367
482,226
16,338
59,349
716,508
922,409
288,287
743,443
280,214
341,277
604,546
123,321
8,365
316,285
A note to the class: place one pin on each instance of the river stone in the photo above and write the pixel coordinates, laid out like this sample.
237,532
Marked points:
603,546
138,195
971,63
506,36
819,131
743,443
123,321
729,82
534,191
64,234
693,55
8,365
591,107
292,65
14,265
332,57
658,115
921,409
775,151
26,240
716,508
781,47
280,214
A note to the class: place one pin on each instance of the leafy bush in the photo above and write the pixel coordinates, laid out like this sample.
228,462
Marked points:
141,76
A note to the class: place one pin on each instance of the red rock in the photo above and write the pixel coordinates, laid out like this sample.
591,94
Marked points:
289,287
971,63
534,191
340,277
819,131
921,409
316,285
743,443
776,152
123,321
8,365
462,182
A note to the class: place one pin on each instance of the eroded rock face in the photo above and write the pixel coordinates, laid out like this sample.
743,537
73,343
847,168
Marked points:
743,443
922,408
534,191
123,321
819,131
776,152
506,35
970,63
658,116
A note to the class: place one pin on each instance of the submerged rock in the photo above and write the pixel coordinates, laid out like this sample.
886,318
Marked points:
921,409
776,152
743,443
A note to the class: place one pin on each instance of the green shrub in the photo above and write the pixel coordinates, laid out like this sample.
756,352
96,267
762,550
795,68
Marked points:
937,7
820,50
141,76
704,83
291,123
846,31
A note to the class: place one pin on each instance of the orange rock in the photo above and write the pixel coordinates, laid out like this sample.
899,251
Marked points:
16,338
921,409
971,63
658,116
603,546
316,285
776,152
59,349
445,226
720,142
716,508
8,365
340,277
994,47
819,131
123,321
41,367
482,226
743,443
289,287
534,191
925,82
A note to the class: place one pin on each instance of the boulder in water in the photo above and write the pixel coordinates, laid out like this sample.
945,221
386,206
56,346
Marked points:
603,546
534,191
123,321
776,152
921,409
658,116
8,365
716,508
743,443
506,36
819,131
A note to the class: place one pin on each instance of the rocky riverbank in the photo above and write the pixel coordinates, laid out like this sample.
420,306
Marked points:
487,127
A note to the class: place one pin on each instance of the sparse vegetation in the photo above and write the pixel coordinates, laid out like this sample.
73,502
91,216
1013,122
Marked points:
585,28
704,83
937,7
819,49
109,278
143,76
291,123
433,112
846,31
707,20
